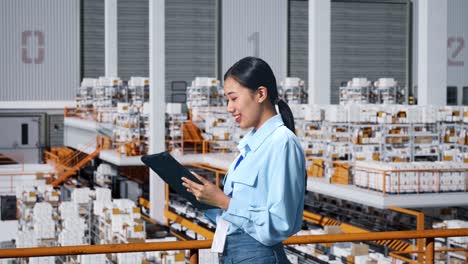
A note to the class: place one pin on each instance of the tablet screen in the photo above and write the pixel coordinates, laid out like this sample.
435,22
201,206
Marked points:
171,171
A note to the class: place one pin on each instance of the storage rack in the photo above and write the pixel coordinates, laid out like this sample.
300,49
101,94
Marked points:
293,91
204,91
127,130
84,98
389,92
175,119
357,91
425,142
367,141
396,146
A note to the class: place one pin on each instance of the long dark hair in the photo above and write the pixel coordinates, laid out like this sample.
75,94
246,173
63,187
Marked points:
252,73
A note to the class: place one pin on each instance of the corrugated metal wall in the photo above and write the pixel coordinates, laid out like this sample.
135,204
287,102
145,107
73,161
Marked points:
92,38
55,130
39,54
190,41
298,53
133,38
367,40
255,28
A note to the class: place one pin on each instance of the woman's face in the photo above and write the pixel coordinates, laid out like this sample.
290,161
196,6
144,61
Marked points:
242,103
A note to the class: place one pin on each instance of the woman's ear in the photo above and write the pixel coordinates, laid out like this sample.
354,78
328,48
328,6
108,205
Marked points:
262,93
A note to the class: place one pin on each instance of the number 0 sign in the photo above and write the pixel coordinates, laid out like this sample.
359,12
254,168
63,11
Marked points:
26,37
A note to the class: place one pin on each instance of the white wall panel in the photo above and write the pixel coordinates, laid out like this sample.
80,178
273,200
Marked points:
39,49
255,28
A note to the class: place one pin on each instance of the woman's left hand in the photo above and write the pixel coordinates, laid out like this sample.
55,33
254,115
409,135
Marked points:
207,192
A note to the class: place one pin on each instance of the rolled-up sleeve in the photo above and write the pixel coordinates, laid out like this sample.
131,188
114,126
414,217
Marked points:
282,215
213,214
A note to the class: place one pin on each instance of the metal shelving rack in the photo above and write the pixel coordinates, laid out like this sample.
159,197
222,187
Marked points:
456,255
357,95
338,152
396,143
85,211
390,95
463,139
339,137
313,139
144,133
292,90
425,142
366,138
127,131
449,146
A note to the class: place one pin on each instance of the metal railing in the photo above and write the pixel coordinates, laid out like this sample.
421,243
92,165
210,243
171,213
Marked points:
194,246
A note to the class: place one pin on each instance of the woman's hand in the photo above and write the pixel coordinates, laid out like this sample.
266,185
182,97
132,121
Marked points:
207,192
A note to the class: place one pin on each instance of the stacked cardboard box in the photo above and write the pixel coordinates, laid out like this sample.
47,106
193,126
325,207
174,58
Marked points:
341,173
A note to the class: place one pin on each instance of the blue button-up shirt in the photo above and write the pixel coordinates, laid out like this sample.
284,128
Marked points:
267,187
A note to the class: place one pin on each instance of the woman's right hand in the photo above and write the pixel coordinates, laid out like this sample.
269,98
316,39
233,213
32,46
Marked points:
207,192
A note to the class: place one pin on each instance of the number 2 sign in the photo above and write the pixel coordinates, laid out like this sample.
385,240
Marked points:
455,46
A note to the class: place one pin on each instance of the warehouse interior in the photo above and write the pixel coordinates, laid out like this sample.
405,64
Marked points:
378,89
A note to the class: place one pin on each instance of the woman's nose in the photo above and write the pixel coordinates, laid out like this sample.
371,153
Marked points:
230,109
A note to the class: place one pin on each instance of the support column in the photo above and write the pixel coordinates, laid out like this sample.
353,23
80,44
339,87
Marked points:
319,51
157,103
110,38
432,52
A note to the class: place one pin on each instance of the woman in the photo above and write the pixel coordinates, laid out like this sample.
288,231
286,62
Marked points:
263,196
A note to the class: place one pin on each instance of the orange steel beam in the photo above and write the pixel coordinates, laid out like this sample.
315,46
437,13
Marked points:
199,244
178,236
70,172
25,173
149,219
408,170
50,156
437,250
188,224
419,226
396,256
194,256
429,250
104,249
371,236
208,167
347,228
143,202
77,153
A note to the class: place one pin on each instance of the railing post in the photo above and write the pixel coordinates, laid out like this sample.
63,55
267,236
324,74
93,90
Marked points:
430,250
194,256
420,241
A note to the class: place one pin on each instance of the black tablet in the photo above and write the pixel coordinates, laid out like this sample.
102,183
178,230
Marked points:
171,171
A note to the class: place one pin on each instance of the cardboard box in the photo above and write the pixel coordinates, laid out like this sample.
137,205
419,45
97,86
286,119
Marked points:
331,230
359,249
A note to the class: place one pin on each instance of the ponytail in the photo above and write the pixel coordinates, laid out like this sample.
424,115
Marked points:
286,115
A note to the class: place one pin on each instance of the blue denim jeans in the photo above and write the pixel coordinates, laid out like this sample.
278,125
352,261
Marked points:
242,248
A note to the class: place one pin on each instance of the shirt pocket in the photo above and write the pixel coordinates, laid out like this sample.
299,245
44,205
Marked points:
245,176
248,189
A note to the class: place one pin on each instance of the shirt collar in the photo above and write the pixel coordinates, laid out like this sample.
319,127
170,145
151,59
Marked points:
254,139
